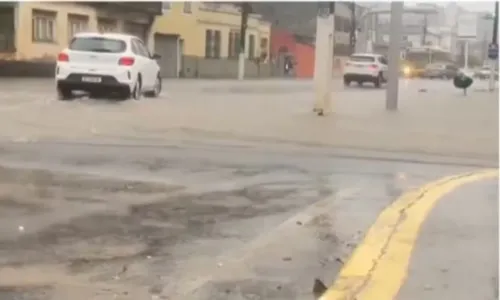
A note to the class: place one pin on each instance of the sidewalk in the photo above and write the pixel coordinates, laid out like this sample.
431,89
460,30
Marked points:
439,241
456,256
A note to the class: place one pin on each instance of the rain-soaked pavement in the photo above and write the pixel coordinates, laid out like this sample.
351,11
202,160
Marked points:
84,221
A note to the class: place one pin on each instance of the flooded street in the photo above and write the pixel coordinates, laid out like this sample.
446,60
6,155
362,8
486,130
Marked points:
144,222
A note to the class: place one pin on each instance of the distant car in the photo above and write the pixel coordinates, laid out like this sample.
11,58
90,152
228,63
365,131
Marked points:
365,67
485,72
106,64
441,71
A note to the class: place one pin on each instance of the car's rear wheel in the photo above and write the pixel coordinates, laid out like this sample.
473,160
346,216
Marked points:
156,89
347,82
378,81
135,93
64,94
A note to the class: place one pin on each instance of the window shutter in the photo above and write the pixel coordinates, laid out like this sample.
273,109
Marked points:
236,44
208,41
230,46
217,44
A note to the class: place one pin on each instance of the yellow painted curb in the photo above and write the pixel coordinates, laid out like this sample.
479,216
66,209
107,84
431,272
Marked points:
378,267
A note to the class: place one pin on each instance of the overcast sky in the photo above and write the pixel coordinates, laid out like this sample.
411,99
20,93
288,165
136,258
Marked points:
478,5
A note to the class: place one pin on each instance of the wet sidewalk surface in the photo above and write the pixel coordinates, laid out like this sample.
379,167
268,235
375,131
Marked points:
456,255
110,222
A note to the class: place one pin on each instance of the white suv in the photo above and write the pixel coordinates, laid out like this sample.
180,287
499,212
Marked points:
366,67
107,64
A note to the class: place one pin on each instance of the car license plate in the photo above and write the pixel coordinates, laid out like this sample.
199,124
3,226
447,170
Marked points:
91,79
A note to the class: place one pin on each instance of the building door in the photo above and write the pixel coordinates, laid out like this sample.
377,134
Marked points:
168,48
7,31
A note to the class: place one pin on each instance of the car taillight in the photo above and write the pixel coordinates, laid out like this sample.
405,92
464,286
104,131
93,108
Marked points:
373,66
126,61
63,57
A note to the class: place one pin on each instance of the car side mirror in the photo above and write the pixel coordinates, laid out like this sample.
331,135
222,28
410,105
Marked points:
156,56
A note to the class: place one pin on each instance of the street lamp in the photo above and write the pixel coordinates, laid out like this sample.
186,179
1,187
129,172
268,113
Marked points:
352,32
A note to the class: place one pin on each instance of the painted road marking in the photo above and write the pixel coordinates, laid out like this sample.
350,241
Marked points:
378,267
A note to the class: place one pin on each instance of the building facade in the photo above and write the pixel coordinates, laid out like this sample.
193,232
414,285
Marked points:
197,39
34,33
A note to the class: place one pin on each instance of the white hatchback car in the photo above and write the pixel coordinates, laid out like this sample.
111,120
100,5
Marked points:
107,64
366,67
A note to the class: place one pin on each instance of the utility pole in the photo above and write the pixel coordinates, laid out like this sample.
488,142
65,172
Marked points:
392,91
352,33
246,9
424,38
494,41
424,30
324,51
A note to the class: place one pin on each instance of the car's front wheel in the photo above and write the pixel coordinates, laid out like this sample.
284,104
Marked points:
378,81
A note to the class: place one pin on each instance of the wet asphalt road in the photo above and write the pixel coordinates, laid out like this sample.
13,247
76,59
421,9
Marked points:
185,220
111,222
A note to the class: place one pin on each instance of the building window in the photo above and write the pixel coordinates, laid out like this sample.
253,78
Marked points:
166,6
43,26
7,32
264,43
347,25
339,26
106,25
187,8
212,43
251,46
76,24
234,44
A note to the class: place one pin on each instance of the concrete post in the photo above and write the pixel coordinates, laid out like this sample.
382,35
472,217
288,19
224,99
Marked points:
391,102
466,55
245,11
491,80
369,45
241,66
323,64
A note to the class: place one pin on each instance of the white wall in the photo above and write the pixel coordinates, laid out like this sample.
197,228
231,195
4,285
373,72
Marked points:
416,40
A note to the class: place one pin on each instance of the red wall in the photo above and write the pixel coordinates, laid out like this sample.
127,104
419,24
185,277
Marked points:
303,53
281,38
305,60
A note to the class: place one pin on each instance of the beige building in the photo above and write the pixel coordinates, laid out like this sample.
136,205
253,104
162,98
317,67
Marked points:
37,31
201,37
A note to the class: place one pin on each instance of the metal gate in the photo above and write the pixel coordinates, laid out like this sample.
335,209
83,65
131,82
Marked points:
167,46
139,30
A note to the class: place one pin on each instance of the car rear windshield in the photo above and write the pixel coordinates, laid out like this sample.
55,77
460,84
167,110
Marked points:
97,44
360,58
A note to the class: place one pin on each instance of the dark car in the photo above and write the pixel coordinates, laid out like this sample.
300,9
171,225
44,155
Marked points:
442,71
